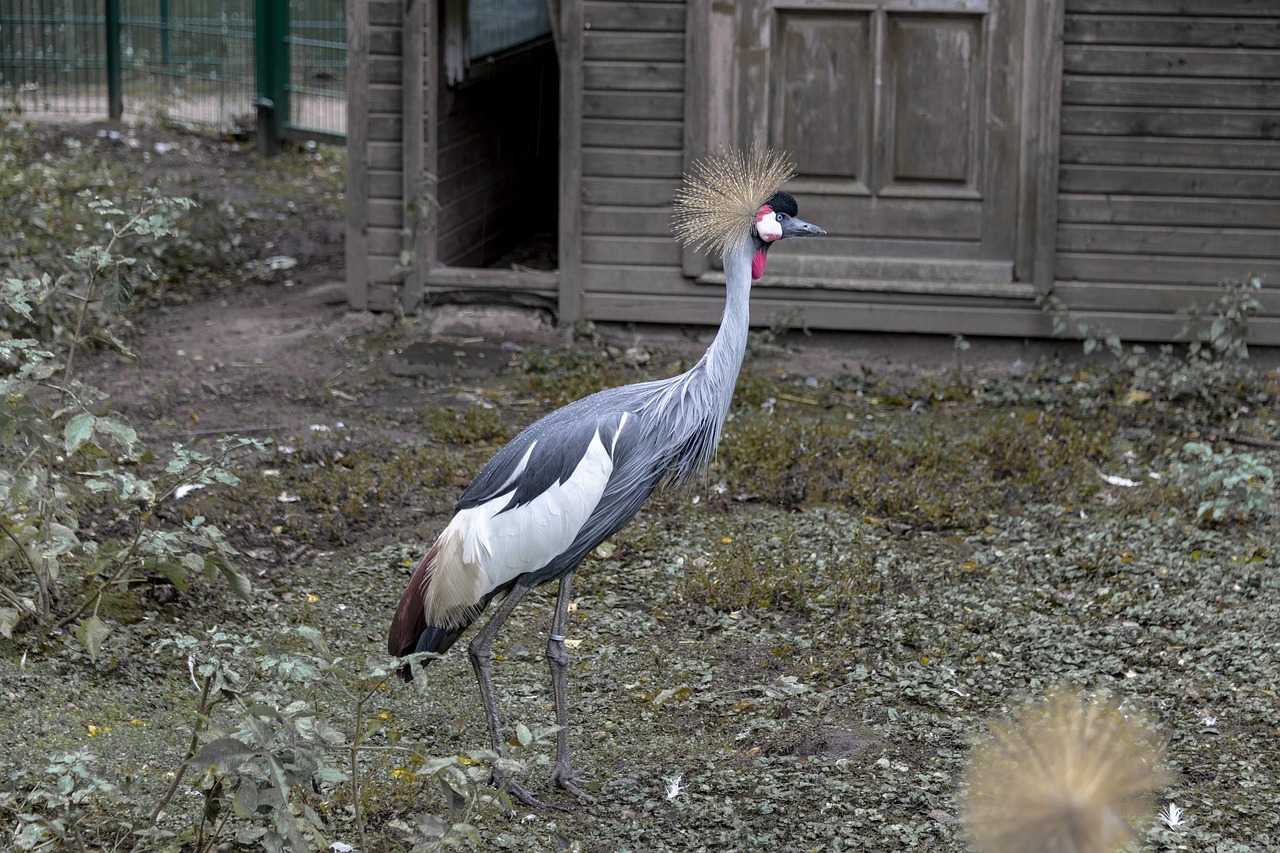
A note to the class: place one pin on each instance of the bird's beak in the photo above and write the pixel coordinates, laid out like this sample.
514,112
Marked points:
799,228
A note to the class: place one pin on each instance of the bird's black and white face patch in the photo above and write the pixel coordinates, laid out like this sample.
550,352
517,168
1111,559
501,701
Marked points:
776,219
768,225
772,216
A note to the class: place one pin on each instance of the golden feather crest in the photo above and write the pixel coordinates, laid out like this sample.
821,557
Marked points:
716,207
1064,775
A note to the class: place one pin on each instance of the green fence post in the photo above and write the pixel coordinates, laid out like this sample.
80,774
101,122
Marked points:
115,96
271,72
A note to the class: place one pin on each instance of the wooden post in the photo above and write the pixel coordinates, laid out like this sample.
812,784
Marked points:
427,243
413,173
357,243
1045,87
570,226
698,44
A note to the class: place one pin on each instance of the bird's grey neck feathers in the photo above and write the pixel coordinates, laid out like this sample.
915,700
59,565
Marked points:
723,358
701,397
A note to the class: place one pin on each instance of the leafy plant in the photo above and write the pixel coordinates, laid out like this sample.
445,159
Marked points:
1228,483
280,737
1227,319
1211,370
61,445
1065,321
61,806
48,175
275,744
781,322
267,743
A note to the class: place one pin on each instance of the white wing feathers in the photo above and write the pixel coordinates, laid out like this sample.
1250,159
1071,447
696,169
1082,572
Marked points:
490,544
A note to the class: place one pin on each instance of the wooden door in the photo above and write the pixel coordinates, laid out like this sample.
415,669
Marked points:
903,117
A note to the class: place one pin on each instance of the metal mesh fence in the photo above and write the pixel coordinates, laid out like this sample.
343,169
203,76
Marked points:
317,44
188,60
185,60
53,57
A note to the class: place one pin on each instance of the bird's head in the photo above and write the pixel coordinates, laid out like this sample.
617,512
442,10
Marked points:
731,200
775,220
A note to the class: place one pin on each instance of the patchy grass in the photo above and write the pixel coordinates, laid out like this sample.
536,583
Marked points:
474,425
935,469
810,640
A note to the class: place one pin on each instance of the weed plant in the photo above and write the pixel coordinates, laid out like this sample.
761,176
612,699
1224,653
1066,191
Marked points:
50,225
61,443
1206,384
1209,377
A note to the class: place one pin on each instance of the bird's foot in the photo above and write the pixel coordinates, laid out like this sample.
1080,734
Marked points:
506,785
569,779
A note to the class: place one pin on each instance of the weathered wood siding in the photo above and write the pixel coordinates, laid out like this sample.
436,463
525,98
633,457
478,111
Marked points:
632,134
376,159
483,159
651,81
1169,174
1156,177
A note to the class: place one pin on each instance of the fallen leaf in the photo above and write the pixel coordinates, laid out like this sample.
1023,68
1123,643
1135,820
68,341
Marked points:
1136,397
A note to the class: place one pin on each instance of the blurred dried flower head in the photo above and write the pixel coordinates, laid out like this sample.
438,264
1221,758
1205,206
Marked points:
1064,776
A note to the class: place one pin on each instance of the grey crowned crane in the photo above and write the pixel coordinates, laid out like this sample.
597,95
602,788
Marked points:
580,474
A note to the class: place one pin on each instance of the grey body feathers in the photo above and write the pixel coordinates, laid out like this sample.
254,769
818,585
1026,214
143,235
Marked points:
660,433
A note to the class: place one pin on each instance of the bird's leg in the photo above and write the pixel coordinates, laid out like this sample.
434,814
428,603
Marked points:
558,660
481,652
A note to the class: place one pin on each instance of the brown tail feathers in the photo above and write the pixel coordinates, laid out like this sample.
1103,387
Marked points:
410,631
409,621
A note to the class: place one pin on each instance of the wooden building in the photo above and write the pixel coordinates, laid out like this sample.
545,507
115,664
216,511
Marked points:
964,156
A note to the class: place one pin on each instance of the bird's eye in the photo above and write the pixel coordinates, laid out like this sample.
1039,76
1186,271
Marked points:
769,226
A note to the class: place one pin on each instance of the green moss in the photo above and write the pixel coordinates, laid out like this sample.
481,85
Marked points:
795,569
560,375
471,425
927,468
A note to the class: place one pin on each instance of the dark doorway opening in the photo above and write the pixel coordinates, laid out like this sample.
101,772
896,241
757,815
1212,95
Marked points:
498,182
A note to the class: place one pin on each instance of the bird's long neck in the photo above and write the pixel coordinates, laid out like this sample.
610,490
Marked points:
698,401
724,357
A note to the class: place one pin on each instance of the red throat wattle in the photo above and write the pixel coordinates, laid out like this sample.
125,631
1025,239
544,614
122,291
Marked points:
757,264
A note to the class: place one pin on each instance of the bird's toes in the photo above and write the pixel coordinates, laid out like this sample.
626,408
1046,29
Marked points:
515,790
571,781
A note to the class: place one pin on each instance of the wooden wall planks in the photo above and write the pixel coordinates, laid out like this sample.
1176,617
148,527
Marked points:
1169,174
634,77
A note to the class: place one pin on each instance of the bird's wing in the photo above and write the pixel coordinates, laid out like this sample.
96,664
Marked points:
646,451
546,453
543,503
531,502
